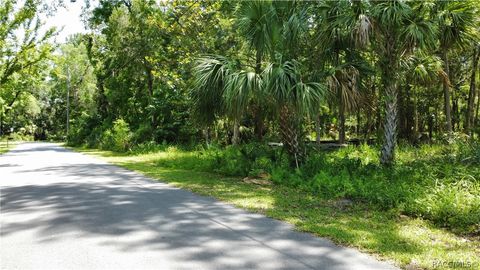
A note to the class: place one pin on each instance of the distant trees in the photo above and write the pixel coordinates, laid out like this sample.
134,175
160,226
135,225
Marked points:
233,72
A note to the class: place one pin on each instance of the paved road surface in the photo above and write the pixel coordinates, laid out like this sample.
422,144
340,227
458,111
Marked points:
65,210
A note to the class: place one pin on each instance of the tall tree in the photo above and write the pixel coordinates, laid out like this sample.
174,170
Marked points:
400,27
473,91
455,21
341,28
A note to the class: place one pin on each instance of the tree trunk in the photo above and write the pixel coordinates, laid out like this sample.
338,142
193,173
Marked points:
455,113
341,121
358,131
475,122
318,130
102,103
1,124
446,94
290,137
236,132
259,124
473,91
415,117
148,71
370,110
258,111
390,127
402,113
206,133
410,114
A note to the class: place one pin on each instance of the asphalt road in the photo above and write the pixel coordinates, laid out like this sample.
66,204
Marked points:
65,210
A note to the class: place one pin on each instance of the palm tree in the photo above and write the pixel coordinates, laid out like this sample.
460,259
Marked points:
293,99
340,29
421,69
455,21
257,22
285,80
223,89
472,93
399,28
344,86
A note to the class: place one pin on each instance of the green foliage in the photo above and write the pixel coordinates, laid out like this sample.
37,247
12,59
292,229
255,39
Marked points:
118,138
455,205
434,182
18,137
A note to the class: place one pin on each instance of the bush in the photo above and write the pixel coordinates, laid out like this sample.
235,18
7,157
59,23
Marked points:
143,134
118,138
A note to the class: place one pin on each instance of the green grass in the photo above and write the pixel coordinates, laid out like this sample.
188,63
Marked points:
386,234
4,148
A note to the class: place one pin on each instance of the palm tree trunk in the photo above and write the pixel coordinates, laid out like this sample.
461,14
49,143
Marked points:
473,91
259,124
258,110
289,133
455,113
446,94
236,132
206,133
390,127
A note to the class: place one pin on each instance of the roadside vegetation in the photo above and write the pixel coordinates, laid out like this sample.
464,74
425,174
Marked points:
5,147
424,211
354,120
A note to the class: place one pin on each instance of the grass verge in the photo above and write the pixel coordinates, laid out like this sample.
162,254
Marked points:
5,147
405,241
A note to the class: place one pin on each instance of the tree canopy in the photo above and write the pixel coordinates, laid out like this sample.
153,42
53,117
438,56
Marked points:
233,72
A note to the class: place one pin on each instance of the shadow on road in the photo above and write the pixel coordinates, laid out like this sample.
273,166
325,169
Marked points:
101,201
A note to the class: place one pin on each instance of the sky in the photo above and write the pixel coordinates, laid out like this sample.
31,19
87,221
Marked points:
67,17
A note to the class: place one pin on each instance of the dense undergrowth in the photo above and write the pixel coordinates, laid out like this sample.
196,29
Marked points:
436,182
440,183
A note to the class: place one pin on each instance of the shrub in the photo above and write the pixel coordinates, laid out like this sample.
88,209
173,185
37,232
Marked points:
285,176
117,138
143,134
261,165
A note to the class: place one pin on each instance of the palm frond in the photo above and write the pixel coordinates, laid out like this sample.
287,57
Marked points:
257,22
240,89
210,78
